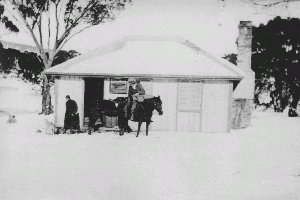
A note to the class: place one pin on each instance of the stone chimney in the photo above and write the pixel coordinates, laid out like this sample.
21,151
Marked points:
244,45
243,94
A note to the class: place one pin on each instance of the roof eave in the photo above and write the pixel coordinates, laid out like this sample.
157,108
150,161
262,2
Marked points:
145,76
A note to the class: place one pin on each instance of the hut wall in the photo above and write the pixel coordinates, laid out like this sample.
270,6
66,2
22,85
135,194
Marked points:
189,106
73,86
216,107
167,90
148,86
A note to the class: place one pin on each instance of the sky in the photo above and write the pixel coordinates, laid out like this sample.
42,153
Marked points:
210,24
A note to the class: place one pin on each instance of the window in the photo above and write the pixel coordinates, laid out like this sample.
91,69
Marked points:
189,97
118,87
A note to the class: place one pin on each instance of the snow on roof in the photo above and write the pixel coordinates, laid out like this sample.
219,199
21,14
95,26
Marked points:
149,56
20,47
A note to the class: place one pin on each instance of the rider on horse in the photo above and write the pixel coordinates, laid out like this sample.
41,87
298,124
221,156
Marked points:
135,89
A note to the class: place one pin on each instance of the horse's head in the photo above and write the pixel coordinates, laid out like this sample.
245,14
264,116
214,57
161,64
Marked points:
158,105
120,101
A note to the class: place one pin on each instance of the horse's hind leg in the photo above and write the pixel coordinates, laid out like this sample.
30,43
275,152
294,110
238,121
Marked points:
127,127
90,131
121,131
90,128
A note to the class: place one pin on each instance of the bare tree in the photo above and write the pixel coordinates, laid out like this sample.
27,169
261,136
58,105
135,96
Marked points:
263,5
52,23
269,3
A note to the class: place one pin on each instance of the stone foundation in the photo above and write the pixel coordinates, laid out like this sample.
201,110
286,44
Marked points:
241,113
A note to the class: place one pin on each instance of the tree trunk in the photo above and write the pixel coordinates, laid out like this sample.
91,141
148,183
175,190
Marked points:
46,102
47,107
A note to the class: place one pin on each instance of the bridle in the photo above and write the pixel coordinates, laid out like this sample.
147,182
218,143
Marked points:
156,105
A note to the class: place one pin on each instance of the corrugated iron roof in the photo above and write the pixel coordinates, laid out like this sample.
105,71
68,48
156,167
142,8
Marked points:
149,56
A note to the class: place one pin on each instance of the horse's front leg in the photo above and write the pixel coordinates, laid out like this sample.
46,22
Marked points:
120,129
147,126
124,124
139,128
120,124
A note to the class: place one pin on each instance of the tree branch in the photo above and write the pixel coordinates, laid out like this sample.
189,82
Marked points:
49,32
44,57
270,3
40,31
23,26
67,39
67,32
61,5
67,25
57,28
34,23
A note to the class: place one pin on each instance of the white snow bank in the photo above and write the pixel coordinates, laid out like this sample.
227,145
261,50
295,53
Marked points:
15,94
18,97
260,162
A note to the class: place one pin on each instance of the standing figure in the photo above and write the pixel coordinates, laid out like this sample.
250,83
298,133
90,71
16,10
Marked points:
71,116
135,89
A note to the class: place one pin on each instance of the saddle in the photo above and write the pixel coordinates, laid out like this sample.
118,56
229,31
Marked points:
141,98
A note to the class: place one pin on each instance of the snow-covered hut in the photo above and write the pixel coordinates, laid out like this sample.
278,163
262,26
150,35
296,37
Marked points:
195,87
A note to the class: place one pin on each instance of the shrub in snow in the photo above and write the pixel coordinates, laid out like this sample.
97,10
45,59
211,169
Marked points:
11,119
13,74
49,119
37,89
47,122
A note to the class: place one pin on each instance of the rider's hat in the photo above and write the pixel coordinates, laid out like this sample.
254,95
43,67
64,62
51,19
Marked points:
131,80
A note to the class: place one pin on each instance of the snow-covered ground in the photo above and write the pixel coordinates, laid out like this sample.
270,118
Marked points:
260,162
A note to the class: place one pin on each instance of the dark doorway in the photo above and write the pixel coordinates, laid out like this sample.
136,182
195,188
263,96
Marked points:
94,90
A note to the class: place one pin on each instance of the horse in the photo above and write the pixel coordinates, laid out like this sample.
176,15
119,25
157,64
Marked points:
98,108
143,112
123,114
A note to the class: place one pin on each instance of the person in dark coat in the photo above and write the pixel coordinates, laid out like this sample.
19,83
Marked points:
71,116
135,89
